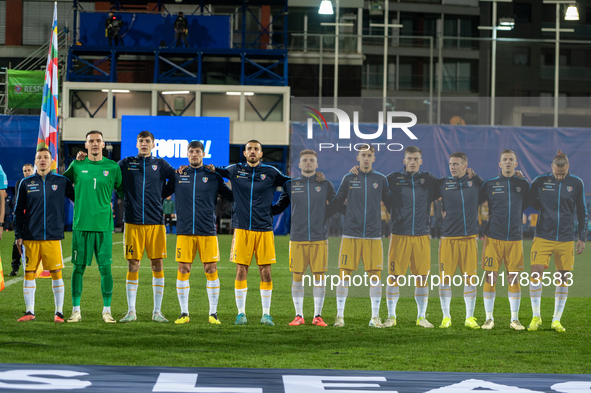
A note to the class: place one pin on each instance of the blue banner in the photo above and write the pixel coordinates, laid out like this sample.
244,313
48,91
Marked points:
173,133
535,148
151,30
18,143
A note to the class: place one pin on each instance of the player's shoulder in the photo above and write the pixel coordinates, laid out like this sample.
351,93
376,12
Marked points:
541,178
379,174
271,169
487,181
394,174
576,178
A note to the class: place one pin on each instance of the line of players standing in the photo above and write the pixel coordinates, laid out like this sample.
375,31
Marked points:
407,194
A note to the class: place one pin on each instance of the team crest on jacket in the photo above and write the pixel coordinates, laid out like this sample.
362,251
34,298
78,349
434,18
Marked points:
317,189
470,183
569,188
154,167
205,179
375,185
54,187
422,181
106,173
263,177
518,189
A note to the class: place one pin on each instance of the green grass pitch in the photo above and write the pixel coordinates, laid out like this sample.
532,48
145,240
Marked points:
356,346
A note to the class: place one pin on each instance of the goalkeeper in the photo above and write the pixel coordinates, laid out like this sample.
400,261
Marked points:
94,180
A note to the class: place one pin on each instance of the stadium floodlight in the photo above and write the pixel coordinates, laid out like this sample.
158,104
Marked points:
249,93
115,91
572,13
233,93
325,8
507,23
176,92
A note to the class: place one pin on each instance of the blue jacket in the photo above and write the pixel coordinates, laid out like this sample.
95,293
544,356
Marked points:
363,192
412,196
309,212
558,202
196,197
39,210
144,179
253,189
505,196
460,203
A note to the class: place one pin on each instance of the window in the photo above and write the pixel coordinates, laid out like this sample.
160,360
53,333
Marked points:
522,12
521,56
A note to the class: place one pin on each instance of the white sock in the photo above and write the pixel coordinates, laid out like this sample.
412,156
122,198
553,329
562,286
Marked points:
58,294
106,310
213,294
489,304
240,295
76,309
182,290
392,296
158,288
266,300
375,295
342,292
445,299
560,296
514,303
131,288
319,293
535,295
422,300
470,300
29,287
297,294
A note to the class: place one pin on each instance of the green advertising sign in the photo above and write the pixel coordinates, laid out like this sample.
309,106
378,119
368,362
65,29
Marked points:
25,88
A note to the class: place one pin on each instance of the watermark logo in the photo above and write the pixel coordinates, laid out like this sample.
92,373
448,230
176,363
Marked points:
315,114
345,123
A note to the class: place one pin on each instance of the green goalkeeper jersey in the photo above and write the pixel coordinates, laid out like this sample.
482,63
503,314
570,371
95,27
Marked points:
94,182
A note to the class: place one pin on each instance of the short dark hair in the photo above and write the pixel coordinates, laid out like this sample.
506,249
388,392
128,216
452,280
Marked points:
459,154
94,132
412,150
308,151
146,134
31,165
366,147
253,141
560,159
508,151
195,145
41,149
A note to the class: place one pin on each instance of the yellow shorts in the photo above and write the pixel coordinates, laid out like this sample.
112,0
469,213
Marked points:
542,250
138,238
496,251
457,251
247,243
48,251
368,250
413,250
302,254
187,247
